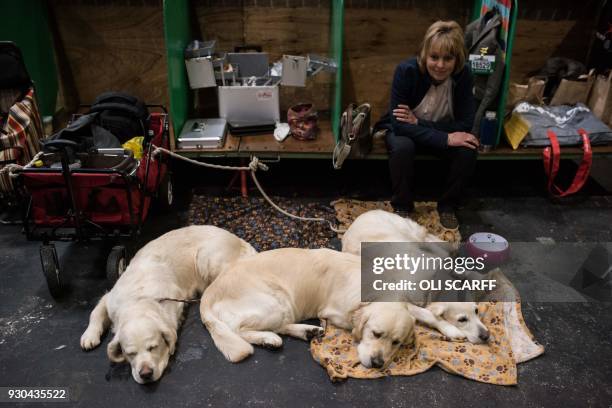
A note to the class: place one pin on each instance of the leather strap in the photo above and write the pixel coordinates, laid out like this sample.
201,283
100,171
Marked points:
552,156
343,147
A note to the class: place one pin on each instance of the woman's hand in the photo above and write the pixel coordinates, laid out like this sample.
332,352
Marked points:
403,114
463,139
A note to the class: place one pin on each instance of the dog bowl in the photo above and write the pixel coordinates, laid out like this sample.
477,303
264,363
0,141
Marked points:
494,248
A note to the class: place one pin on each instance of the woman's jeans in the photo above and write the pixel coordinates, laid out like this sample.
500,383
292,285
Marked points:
402,151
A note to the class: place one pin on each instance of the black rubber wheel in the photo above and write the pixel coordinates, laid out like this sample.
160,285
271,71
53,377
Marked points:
51,269
165,193
115,264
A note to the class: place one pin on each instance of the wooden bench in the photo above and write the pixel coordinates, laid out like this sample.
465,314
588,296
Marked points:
265,146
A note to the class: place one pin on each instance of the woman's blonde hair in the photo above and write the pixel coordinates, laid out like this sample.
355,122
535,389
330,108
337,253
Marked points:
448,36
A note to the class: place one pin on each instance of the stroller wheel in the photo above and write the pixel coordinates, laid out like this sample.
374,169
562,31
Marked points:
116,264
165,194
51,269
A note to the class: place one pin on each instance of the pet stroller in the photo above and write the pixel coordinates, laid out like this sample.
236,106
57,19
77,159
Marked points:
78,191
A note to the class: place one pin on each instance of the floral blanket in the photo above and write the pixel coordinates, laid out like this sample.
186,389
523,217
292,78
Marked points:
495,362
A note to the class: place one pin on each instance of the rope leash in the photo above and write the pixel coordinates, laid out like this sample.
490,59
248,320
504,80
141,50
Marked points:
253,166
12,169
331,226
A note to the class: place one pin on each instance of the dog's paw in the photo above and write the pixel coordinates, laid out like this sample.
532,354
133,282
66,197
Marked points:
90,339
235,356
272,342
315,332
272,347
452,332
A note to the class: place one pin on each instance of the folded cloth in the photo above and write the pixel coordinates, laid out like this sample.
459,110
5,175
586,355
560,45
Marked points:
495,362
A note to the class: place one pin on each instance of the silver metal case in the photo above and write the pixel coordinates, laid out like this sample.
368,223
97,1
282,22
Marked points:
203,134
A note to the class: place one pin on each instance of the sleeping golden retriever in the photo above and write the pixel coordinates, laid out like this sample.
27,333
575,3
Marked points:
178,265
456,320
267,294
383,226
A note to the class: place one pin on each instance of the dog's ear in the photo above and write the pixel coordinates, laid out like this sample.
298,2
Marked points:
437,309
114,351
359,319
169,337
410,335
247,249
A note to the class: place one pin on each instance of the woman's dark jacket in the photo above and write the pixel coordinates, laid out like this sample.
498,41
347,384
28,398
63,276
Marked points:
409,88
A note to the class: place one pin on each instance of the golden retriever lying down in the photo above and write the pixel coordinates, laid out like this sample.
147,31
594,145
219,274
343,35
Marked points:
178,265
267,294
383,226
456,320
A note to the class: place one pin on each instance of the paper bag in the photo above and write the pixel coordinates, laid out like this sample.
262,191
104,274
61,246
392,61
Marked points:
571,92
600,99
532,92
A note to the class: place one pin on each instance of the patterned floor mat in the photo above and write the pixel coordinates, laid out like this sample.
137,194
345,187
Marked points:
255,221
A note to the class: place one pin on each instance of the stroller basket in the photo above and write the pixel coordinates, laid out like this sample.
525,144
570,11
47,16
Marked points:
100,194
93,195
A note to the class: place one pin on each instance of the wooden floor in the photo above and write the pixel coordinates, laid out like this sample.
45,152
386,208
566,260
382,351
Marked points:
322,147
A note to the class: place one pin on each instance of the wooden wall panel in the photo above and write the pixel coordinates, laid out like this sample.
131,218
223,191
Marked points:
114,45
534,42
288,30
222,23
376,40
552,28
119,44
294,31
279,30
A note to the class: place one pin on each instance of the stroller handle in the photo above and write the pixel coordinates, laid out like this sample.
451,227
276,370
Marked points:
162,108
58,145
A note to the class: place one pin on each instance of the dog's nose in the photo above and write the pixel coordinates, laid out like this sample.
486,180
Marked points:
484,335
146,373
377,361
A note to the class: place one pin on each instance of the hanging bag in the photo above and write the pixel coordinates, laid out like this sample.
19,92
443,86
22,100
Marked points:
355,134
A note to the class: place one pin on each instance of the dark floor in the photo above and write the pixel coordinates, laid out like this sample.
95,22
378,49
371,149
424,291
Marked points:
39,337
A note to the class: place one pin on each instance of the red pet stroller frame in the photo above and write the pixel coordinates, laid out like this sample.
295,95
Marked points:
107,197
